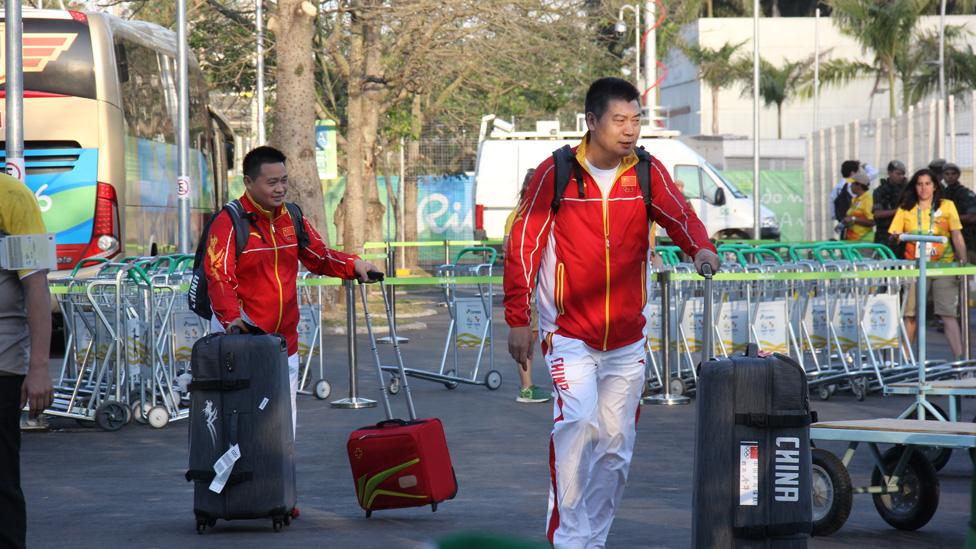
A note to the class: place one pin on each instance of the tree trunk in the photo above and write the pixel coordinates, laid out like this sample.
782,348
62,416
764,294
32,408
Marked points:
891,88
714,110
779,121
410,183
372,105
294,112
709,9
351,211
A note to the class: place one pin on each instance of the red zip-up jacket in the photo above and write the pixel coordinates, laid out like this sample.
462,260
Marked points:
260,285
591,258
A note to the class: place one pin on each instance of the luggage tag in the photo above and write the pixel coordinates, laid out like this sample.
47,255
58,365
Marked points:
28,252
223,467
749,472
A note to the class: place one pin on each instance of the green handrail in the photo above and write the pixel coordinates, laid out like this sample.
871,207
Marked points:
477,250
87,262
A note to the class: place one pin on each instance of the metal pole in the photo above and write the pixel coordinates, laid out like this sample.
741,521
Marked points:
756,229
259,91
910,138
666,398
650,56
823,187
964,315
354,401
940,129
183,181
942,15
15,91
933,129
878,125
402,231
856,139
816,70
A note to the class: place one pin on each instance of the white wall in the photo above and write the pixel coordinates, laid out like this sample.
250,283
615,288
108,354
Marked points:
785,38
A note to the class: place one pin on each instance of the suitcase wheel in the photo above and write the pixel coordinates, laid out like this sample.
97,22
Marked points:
277,524
433,507
369,513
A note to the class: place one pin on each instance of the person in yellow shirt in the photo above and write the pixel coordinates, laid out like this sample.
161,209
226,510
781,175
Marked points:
25,342
528,392
923,210
859,220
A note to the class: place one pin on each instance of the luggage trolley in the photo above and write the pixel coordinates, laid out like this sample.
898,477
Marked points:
471,324
310,344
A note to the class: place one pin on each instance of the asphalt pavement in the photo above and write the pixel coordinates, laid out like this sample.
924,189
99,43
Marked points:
87,488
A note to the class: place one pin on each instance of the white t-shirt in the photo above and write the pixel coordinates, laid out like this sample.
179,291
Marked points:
604,178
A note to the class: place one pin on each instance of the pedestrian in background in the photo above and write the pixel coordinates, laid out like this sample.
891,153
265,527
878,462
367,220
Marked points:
924,210
887,198
25,344
528,391
965,202
859,221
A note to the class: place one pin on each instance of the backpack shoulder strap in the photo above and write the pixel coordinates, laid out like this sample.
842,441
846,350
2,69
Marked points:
297,217
644,163
242,227
564,161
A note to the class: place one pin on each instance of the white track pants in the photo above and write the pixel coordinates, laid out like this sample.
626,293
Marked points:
595,424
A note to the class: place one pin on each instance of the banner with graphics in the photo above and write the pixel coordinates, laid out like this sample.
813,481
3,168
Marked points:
445,207
782,192
770,326
187,329
308,322
845,322
471,322
652,325
815,323
733,325
325,149
880,320
691,323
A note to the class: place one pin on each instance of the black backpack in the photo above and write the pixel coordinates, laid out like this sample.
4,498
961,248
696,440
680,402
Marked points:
842,203
564,161
198,296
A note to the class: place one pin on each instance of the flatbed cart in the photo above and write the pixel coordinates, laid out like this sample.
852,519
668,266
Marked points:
481,305
904,484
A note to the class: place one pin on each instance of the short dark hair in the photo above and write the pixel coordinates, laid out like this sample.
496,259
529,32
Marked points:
909,197
260,156
602,91
849,168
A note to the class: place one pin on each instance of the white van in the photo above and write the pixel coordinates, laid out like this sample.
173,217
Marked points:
505,155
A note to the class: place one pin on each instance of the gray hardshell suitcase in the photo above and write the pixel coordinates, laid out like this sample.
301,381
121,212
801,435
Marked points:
240,395
752,483
752,454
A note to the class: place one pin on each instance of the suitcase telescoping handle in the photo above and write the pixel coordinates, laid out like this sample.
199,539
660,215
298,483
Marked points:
707,320
412,412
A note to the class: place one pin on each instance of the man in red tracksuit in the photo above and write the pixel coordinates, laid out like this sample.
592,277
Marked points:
257,291
590,261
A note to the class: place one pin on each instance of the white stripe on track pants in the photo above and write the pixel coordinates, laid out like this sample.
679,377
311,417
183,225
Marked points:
594,428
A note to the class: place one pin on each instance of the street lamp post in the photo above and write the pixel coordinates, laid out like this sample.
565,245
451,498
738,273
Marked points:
183,180
621,27
15,91
259,85
757,232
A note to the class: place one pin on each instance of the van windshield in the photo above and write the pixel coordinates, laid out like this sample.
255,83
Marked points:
729,186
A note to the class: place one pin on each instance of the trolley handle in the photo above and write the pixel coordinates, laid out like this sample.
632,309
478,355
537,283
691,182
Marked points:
87,262
908,237
135,272
492,253
180,264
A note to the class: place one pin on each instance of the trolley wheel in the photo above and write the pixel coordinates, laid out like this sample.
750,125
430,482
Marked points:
938,456
677,386
394,386
201,526
859,386
111,415
140,411
832,493
451,385
824,392
918,491
158,417
493,380
322,389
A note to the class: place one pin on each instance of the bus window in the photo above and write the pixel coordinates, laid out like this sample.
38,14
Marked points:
142,94
57,58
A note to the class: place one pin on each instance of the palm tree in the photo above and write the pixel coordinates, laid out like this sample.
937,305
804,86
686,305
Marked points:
777,85
718,68
919,72
884,29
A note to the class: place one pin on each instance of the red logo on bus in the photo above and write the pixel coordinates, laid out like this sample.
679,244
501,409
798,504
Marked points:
39,49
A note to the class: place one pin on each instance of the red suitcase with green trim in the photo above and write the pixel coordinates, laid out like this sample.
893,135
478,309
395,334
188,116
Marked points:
399,463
